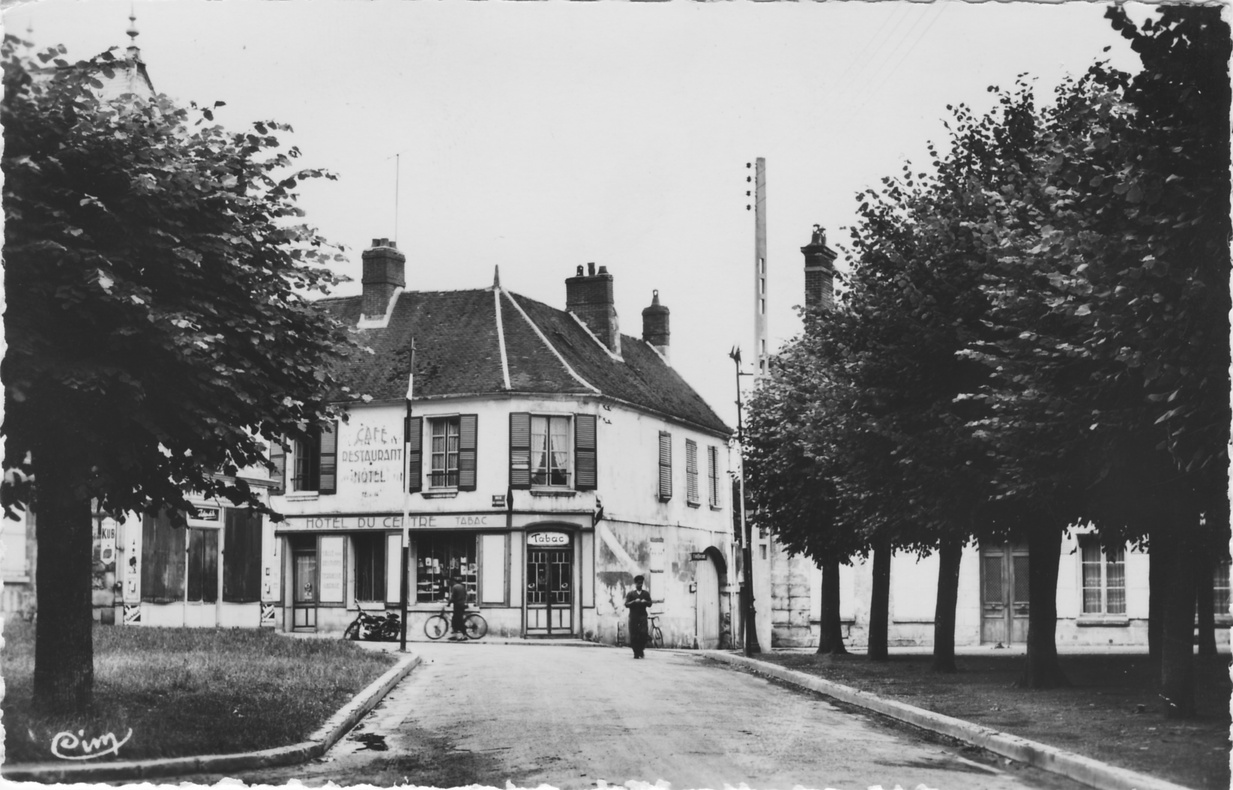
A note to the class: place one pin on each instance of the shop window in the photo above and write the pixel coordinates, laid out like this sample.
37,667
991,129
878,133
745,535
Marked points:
665,466
241,556
368,552
162,560
1104,577
712,475
1220,587
437,558
202,565
553,451
315,461
691,471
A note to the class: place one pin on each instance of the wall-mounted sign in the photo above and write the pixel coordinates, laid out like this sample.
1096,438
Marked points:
548,539
697,556
498,500
206,516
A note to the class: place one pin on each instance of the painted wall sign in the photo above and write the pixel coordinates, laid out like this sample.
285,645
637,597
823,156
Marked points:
438,521
369,456
331,569
547,538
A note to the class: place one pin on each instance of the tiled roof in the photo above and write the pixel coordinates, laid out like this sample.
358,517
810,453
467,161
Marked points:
459,343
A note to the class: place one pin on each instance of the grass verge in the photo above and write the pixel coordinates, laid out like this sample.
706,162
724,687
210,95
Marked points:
1110,713
185,691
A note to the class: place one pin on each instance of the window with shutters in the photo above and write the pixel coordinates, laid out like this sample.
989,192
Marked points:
712,475
444,464
553,451
665,466
315,462
691,472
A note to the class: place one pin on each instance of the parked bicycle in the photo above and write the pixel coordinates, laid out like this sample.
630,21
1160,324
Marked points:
374,627
656,635
473,624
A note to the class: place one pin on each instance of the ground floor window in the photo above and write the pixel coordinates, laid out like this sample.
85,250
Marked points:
368,552
1104,577
438,556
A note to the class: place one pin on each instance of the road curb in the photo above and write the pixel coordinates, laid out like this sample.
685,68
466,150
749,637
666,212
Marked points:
317,744
1038,755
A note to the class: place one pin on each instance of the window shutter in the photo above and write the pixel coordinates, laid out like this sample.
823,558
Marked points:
328,465
413,429
585,473
241,556
665,466
162,560
691,471
519,449
466,452
278,457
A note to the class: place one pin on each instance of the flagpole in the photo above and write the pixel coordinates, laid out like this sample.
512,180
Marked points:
403,593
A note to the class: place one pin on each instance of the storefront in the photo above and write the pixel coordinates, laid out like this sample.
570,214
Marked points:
526,578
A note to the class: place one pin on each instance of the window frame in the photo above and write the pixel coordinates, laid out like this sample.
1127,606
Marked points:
447,421
692,494
374,545
665,466
314,462
550,468
1089,542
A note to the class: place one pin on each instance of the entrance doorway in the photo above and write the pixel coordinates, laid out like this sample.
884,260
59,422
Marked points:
1004,593
706,578
550,588
304,583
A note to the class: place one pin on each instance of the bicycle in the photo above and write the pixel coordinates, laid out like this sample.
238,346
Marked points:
657,636
474,626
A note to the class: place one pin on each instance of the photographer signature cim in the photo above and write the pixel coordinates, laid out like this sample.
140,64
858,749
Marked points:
68,746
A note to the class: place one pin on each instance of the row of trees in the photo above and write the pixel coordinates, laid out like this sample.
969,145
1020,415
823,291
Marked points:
1034,334
159,335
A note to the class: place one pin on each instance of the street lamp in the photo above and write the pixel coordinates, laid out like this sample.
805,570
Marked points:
747,596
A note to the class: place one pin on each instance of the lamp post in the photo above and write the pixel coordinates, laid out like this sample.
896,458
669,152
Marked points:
747,596
406,507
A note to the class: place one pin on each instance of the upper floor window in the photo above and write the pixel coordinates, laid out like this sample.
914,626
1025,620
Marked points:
552,451
451,452
1104,577
314,463
665,466
691,471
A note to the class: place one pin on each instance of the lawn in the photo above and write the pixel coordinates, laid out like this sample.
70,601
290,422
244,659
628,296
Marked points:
1111,711
189,691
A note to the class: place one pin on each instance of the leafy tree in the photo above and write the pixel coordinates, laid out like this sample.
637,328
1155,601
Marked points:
157,327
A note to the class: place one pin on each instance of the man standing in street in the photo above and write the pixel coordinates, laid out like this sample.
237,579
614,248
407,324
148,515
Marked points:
458,599
637,600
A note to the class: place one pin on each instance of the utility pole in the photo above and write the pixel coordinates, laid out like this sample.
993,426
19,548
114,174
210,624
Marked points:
404,565
747,595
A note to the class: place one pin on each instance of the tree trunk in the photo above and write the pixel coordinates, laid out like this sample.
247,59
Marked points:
1205,598
830,637
1158,549
63,646
879,603
1042,670
949,555
1177,632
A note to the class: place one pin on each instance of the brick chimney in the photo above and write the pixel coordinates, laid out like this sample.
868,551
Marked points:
384,272
819,272
655,325
589,296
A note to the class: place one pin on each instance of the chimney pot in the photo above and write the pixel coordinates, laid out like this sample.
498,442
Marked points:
591,269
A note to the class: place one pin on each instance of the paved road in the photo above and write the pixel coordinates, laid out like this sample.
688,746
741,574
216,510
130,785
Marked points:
582,717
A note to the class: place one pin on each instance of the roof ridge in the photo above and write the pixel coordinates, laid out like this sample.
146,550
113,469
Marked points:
560,357
496,307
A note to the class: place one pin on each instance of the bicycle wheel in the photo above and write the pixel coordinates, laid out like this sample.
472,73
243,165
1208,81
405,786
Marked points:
657,637
436,627
475,626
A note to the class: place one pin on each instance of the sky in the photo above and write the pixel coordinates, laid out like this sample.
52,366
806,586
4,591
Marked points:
537,137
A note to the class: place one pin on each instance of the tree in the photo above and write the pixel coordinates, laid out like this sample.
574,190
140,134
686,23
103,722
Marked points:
158,332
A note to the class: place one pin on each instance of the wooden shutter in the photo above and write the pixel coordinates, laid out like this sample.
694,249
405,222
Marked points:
413,429
328,465
278,457
162,560
665,466
466,451
584,452
241,556
203,565
519,450
691,471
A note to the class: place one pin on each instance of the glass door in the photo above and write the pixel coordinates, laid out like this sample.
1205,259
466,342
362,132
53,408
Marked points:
550,594
304,583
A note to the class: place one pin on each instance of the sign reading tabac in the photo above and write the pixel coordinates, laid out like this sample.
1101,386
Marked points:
548,539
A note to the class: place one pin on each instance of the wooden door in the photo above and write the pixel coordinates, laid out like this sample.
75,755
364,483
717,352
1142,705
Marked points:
1004,593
